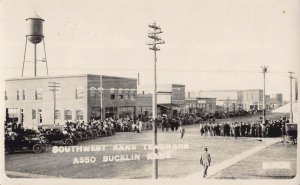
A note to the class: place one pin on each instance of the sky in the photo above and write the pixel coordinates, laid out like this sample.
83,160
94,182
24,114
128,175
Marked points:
210,44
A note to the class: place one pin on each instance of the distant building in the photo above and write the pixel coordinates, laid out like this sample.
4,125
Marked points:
144,105
234,100
171,98
200,105
227,100
29,100
276,101
251,99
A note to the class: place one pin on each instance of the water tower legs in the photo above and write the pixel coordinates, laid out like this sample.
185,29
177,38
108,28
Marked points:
24,55
45,56
35,60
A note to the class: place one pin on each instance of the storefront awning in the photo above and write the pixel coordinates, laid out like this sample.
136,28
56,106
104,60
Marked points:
168,106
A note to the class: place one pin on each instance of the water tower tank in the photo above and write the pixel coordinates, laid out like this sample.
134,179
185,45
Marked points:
35,32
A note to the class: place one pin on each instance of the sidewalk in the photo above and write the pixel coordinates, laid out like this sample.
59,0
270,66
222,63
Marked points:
225,164
274,162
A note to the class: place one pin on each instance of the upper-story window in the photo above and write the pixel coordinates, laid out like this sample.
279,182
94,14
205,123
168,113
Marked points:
132,95
126,97
121,95
23,95
93,92
18,95
5,95
112,94
79,93
38,94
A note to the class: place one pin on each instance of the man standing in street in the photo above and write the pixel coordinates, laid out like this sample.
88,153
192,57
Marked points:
205,161
181,130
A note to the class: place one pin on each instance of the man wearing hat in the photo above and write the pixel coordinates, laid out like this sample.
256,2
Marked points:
205,161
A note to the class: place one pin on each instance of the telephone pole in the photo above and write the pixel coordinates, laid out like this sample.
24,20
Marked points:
264,70
153,34
54,87
291,96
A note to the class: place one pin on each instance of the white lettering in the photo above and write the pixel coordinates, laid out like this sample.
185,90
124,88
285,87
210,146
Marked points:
54,149
84,160
105,158
122,157
276,165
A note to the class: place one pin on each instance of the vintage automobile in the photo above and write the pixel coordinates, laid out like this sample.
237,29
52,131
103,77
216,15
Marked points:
74,133
84,135
57,135
24,141
291,132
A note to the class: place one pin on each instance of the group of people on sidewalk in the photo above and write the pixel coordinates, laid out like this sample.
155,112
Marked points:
272,128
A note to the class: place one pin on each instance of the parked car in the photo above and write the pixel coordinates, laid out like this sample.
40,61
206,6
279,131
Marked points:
23,141
55,134
291,132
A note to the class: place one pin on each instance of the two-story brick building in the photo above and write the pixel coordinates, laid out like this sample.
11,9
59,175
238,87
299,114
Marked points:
172,97
78,97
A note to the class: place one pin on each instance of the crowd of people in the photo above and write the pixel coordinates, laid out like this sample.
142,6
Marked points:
127,124
272,128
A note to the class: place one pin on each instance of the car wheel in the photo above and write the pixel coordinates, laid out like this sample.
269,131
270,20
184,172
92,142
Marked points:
68,142
8,150
38,148
44,145
75,141
46,141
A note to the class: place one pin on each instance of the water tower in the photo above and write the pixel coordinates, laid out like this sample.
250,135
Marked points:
35,36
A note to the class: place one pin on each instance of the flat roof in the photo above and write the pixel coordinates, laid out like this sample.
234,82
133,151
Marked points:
224,90
65,76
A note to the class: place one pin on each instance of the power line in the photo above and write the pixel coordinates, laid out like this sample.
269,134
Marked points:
264,70
155,40
291,95
54,87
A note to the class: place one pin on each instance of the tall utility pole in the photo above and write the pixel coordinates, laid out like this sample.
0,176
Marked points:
153,34
101,97
264,70
291,96
54,87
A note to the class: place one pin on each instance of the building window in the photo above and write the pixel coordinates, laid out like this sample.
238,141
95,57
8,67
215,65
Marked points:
132,93
38,94
110,109
93,92
33,114
112,94
13,114
79,115
126,95
18,95
79,93
68,115
121,95
95,113
5,95
57,114
110,112
23,95
41,115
